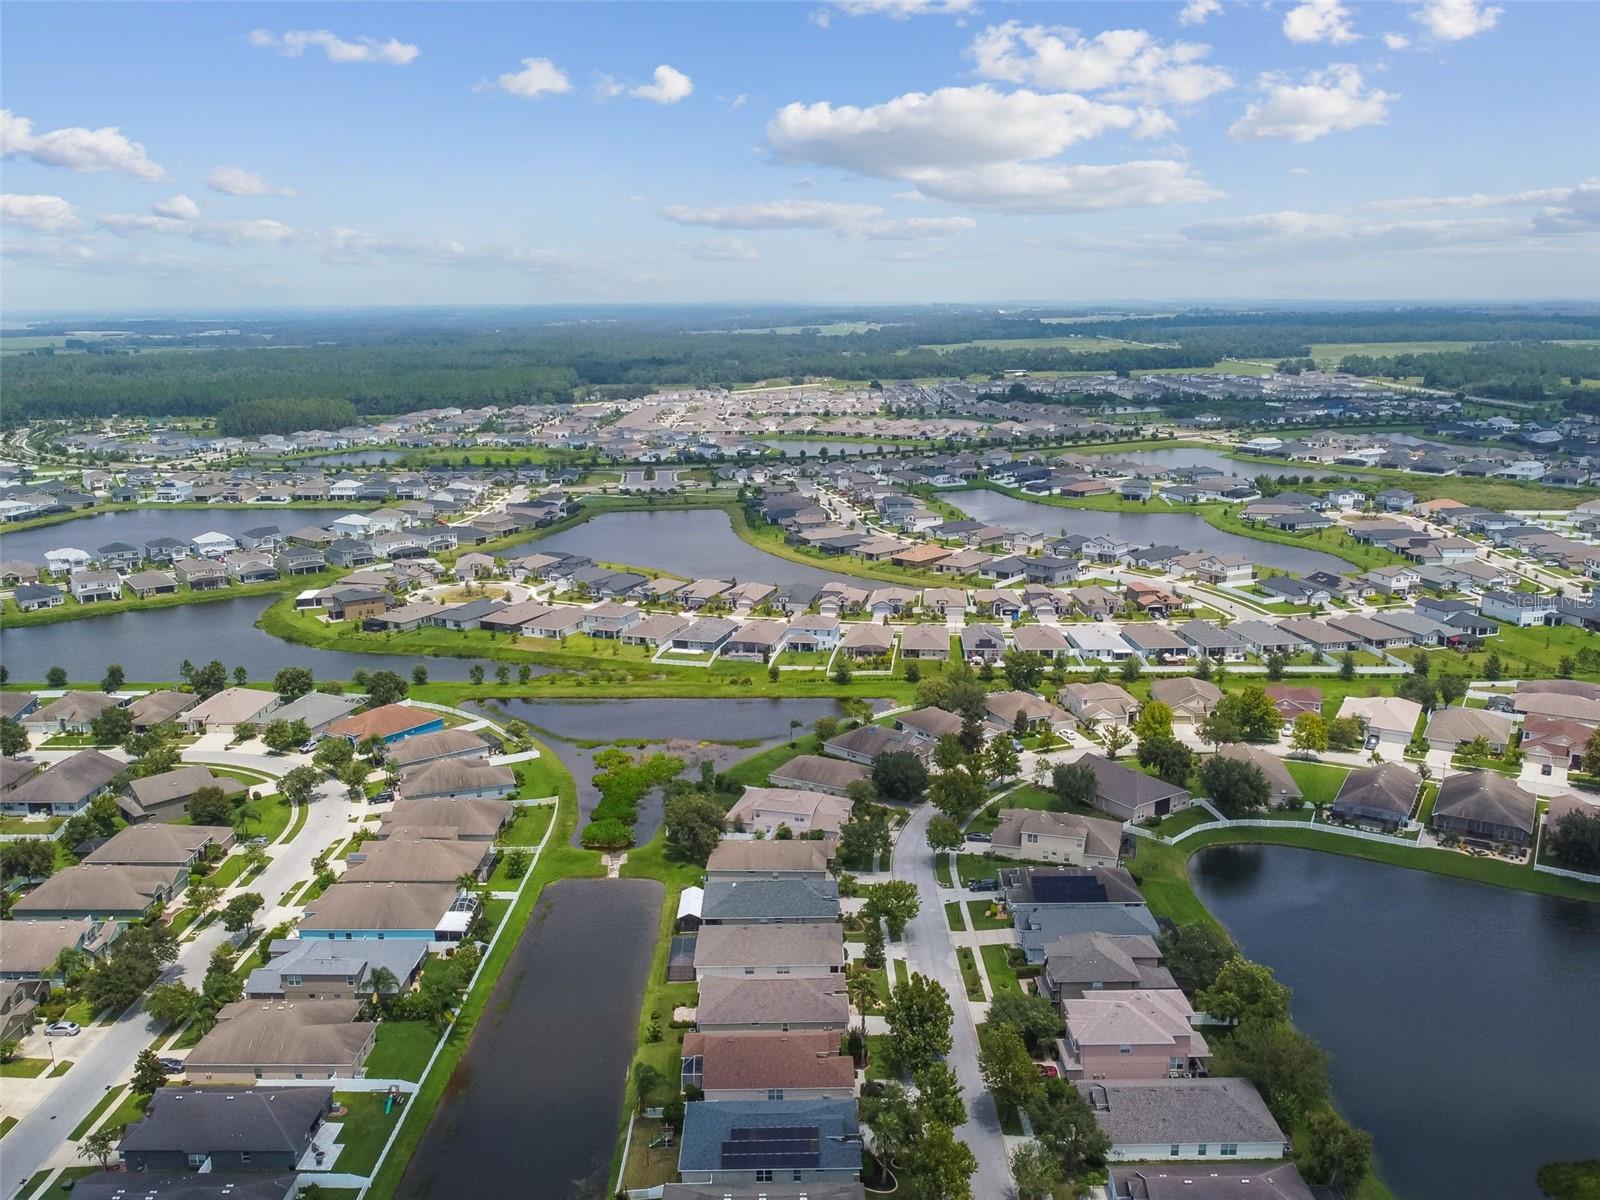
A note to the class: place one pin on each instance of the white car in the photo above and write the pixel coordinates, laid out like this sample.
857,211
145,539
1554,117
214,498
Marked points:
62,1029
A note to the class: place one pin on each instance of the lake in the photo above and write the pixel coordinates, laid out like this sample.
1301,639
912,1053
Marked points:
1160,526
1460,1017
533,1107
353,458
696,543
140,525
687,722
1217,460
151,643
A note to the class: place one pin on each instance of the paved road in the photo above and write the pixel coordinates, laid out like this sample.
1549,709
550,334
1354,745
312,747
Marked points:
930,952
107,1054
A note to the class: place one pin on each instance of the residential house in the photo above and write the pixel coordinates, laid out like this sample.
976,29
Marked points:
118,893
742,1142
1099,702
91,587
165,796
1156,643
802,858
797,1065
1485,806
1211,1181
1149,1120
759,901
1449,728
418,860
865,743
70,712
217,1133
1381,795
305,1039
1221,645
317,969
1131,795
1191,700
63,789
790,1002
982,643
1134,1034
1098,963
766,810
924,642
435,912
813,950
813,772
1283,789
389,723
231,707
1392,719
469,820
1052,837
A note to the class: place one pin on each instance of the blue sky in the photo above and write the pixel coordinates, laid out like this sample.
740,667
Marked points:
197,155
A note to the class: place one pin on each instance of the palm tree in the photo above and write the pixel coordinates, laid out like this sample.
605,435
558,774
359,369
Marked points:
383,982
862,991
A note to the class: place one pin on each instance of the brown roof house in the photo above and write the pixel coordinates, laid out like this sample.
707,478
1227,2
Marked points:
732,1002
1485,806
1448,728
1284,788
1382,795
769,951
1099,702
1131,795
815,773
1191,700
800,858
303,1039
1132,1035
1083,963
1032,834
766,810
798,1065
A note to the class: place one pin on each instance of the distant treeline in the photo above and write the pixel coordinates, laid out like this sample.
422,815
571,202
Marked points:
398,362
252,418
1526,371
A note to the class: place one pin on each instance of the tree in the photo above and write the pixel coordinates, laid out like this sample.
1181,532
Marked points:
111,726
1075,785
864,836
1310,734
332,753
210,679
148,1077
957,792
475,672
919,1016
1347,665
1131,669
1064,1124
419,674
1288,1068
1245,991
1170,759
900,776
299,783
32,858
1574,839
1335,1153
172,1003
13,738
938,1167
944,833
1195,953
1008,1069
100,1145
894,902
385,687
841,673
293,682
861,989
239,912
1115,737
1036,1171
1235,785
1493,668
1451,688
693,825
939,1095
114,678
872,953
1345,733
210,806
204,897
354,777
56,677
1155,721
1418,688
1024,671
281,736
1004,762
1030,1014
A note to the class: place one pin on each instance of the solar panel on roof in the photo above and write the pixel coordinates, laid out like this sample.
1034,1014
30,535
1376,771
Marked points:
1068,889
758,1147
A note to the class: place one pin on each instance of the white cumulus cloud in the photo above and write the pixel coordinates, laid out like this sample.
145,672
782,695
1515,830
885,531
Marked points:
76,148
1318,21
1327,101
854,221
901,10
668,86
42,214
1396,41
1126,64
538,77
1057,188
179,207
1196,11
295,42
1456,20
236,181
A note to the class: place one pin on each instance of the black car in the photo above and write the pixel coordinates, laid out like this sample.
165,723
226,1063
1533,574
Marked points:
172,1066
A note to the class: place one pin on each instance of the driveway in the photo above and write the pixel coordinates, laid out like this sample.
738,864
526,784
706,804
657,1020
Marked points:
109,1052
930,952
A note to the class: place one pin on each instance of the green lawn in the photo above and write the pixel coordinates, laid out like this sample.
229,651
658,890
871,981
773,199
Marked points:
1175,823
952,916
61,1189
101,1105
976,866
969,973
941,869
23,1068
528,828
1002,975
902,972
978,915
1320,782
363,1130
7,1124
402,1050
537,778
878,1057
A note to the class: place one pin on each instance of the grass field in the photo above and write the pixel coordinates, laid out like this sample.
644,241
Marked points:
1319,782
1329,353
402,1050
1002,975
1084,345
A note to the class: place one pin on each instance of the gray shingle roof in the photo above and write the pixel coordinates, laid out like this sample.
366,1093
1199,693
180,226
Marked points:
770,899
1155,1111
249,1120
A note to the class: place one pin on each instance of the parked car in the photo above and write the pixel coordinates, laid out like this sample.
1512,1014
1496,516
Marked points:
1372,741
1048,1070
308,747
172,1066
984,885
380,797
979,837
62,1029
